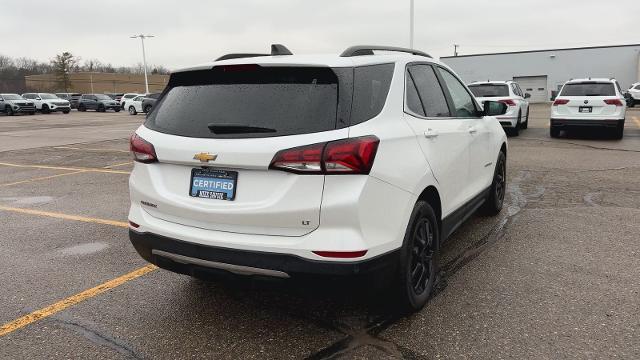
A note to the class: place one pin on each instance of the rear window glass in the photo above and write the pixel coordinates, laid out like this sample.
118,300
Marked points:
242,101
588,89
489,90
371,85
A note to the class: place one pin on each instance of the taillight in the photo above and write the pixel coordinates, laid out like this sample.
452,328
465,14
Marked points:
615,102
142,150
347,156
560,102
509,102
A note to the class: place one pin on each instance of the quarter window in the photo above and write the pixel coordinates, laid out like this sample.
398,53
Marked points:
429,91
462,101
413,100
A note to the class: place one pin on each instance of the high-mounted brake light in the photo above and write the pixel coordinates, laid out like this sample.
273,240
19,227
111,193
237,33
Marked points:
509,102
142,150
560,102
346,156
615,102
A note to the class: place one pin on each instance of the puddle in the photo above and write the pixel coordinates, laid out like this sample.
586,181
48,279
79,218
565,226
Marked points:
83,249
28,200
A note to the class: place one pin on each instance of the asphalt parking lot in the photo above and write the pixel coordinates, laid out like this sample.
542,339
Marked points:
557,275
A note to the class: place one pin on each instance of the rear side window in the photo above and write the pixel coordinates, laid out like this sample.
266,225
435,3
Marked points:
413,100
637,87
489,90
248,101
588,89
370,89
429,90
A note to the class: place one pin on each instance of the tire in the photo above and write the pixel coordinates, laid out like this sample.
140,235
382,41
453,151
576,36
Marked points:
82,108
495,199
132,110
515,131
9,110
45,109
619,134
32,112
116,109
417,269
101,108
147,109
554,132
65,111
526,123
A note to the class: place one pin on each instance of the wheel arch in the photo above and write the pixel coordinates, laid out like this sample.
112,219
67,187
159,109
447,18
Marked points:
431,195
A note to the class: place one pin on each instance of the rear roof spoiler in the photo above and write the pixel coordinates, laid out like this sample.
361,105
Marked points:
360,50
276,49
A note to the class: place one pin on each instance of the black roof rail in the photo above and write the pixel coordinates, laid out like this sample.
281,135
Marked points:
360,50
239,56
276,49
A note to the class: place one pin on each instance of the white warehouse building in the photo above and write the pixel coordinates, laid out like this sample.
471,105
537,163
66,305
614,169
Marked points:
541,72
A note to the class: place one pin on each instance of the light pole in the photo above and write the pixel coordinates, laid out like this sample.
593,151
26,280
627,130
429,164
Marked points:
411,24
144,58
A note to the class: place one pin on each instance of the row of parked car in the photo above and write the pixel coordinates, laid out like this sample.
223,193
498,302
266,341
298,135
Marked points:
29,103
588,102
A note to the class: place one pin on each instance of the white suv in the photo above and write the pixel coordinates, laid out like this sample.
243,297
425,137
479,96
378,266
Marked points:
288,165
47,103
634,94
589,102
510,93
125,97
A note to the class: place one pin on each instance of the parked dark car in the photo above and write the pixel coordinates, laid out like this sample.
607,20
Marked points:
72,98
97,102
115,96
149,101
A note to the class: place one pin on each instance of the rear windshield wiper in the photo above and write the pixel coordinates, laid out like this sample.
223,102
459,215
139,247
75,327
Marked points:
238,129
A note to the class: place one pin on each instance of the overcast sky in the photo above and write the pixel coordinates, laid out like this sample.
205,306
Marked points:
189,32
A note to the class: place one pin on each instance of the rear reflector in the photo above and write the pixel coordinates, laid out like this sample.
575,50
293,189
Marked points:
346,156
133,225
560,102
341,254
509,102
142,150
615,102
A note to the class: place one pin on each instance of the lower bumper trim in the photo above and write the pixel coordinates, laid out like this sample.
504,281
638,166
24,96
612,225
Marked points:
188,258
586,122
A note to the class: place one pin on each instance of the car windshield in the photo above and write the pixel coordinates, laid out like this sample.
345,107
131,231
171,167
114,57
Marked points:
489,90
12,97
48,96
103,97
257,101
589,89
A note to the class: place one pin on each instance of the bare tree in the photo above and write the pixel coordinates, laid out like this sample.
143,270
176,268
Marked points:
63,64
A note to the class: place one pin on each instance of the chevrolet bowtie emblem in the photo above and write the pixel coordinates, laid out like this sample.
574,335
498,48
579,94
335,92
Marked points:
205,157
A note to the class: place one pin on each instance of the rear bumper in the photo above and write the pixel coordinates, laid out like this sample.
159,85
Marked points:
586,122
197,259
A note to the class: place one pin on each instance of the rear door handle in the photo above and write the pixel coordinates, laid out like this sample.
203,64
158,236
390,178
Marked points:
473,130
430,134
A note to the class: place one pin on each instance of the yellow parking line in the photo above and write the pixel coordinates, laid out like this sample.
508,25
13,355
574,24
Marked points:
66,168
65,216
90,149
42,178
636,120
73,300
116,165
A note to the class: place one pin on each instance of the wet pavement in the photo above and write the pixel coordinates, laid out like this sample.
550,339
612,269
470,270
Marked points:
556,275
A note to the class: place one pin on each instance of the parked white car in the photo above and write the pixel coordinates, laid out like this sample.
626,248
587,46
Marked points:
589,102
134,105
634,93
12,104
47,103
510,93
126,97
288,165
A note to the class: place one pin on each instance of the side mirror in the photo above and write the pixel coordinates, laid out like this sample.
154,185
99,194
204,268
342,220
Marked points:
494,108
527,95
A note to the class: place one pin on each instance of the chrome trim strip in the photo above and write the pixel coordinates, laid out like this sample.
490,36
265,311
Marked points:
236,269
